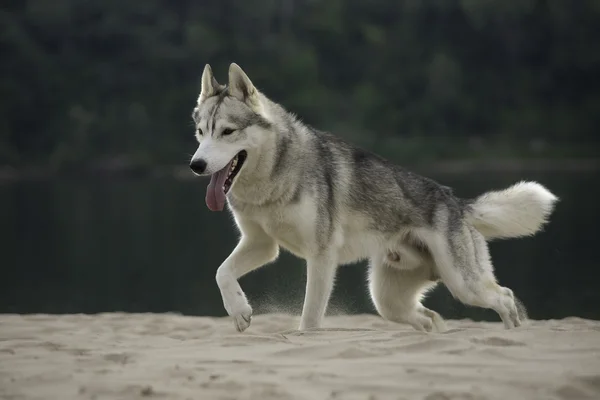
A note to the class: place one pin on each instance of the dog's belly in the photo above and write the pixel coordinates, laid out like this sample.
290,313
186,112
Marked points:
353,250
296,232
356,247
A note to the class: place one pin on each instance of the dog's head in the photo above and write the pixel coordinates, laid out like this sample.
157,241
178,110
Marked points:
231,125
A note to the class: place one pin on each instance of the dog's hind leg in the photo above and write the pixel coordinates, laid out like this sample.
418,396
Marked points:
463,263
397,294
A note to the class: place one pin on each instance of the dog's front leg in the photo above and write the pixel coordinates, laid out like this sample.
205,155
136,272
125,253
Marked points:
252,252
320,274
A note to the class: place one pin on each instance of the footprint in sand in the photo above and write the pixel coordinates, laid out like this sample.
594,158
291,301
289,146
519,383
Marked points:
497,341
581,387
120,358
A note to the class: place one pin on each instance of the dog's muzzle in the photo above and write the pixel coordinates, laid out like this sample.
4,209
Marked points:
198,166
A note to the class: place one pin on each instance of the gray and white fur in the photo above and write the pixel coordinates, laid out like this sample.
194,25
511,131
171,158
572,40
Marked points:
332,203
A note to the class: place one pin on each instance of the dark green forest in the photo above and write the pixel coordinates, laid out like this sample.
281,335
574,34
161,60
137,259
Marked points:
88,81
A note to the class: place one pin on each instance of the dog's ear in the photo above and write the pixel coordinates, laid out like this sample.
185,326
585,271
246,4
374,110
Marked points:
209,84
240,85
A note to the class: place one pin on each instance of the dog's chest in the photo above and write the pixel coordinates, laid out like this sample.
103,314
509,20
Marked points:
291,228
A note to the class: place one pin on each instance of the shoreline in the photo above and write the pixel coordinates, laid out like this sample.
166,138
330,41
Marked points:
181,172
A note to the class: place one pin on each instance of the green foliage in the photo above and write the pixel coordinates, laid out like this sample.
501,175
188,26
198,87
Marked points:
85,81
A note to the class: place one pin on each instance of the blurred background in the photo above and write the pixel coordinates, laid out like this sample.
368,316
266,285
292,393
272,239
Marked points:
98,211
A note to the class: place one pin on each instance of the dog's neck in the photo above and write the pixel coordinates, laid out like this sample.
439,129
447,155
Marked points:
255,185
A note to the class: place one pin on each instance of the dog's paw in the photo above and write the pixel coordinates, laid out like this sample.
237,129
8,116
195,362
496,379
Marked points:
421,323
439,325
237,306
242,318
426,320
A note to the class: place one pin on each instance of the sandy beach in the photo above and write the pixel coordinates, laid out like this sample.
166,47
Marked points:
129,356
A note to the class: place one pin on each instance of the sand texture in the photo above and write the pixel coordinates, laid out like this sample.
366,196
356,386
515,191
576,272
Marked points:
165,356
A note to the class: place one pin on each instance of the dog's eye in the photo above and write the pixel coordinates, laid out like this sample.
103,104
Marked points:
227,131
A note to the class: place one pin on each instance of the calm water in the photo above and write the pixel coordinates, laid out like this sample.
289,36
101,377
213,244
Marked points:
153,246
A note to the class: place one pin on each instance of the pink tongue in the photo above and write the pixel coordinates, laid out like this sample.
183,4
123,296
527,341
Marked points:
215,196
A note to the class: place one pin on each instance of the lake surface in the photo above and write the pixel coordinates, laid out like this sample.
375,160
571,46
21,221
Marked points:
151,245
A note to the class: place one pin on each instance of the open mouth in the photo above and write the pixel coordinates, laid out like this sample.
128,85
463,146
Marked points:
234,169
221,181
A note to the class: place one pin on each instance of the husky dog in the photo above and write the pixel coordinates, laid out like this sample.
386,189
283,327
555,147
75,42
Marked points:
331,203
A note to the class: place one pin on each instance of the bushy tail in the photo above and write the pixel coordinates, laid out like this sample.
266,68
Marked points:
520,210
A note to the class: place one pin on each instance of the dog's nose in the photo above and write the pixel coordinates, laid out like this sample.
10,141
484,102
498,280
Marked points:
198,166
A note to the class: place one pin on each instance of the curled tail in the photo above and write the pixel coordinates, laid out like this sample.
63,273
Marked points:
520,210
